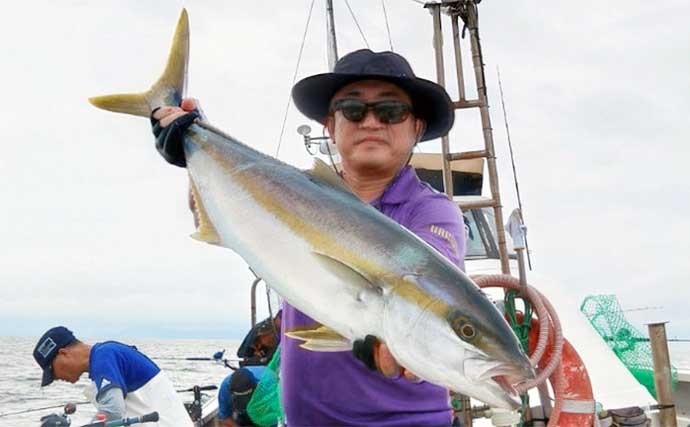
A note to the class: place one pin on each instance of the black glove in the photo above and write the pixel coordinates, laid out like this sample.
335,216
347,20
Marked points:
364,351
169,139
54,420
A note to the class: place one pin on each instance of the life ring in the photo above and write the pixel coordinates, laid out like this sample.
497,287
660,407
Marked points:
574,400
577,404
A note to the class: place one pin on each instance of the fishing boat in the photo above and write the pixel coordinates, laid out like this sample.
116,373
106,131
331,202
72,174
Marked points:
471,179
600,388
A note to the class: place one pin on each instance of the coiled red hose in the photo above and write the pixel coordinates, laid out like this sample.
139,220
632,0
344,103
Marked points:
549,329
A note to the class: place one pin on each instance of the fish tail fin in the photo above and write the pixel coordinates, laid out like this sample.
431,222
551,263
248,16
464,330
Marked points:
168,90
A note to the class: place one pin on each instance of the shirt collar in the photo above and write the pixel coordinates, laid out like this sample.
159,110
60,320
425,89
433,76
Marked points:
399,189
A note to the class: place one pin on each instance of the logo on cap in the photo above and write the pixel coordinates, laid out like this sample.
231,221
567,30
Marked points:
46,347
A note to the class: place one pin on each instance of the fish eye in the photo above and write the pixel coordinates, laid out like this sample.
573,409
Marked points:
462,327
467,331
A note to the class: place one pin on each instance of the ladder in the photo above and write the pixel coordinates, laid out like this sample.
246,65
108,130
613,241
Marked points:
467,11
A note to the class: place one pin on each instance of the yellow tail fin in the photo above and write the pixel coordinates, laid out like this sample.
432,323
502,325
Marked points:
168,90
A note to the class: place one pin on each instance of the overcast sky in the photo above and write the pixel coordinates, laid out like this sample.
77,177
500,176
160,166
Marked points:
94,224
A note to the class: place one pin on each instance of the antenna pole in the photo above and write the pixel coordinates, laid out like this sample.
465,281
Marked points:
332,42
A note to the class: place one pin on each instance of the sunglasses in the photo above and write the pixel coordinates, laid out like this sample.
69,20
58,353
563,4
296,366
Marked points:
387,112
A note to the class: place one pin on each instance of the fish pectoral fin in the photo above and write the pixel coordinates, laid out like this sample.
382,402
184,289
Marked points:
324,172
205,231
323,339
345,272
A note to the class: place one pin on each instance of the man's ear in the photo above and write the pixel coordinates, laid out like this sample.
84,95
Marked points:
419,128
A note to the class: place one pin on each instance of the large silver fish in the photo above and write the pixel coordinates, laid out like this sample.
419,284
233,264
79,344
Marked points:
336,258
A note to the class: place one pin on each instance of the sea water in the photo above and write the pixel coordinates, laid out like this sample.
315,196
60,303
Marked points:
20,377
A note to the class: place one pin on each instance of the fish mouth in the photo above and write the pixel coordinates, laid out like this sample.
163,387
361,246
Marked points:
506,384
506,375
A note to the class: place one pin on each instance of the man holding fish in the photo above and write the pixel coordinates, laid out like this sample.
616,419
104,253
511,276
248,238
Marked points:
375,110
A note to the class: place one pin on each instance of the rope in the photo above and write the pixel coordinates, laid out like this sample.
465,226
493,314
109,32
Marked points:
521,329
547,317
347,3
388,28
294,77
549,329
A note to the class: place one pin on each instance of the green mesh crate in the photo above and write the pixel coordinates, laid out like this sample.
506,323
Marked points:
631,346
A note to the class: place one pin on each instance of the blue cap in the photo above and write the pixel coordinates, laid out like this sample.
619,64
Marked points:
47,348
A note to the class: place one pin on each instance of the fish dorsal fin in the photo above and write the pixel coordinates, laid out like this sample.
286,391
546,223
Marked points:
321,338
205,231
324,172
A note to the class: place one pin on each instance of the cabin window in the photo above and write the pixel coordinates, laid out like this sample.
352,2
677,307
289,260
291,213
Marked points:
481,230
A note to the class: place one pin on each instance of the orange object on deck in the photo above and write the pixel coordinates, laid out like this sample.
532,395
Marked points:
574,384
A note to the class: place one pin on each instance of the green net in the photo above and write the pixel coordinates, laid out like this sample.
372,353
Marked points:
265,408
631,346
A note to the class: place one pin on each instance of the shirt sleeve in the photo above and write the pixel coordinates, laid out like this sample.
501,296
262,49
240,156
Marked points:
225,399
439,222
111,403
106,372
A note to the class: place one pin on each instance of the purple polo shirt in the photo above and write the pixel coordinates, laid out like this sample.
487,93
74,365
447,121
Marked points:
327,389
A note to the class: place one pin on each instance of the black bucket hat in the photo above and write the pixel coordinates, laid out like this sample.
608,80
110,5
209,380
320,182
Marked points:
430,101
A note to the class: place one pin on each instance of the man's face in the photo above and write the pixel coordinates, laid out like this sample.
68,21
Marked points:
65,366
370,145
266,340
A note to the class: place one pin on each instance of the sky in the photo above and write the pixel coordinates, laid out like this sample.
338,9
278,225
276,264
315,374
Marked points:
94,224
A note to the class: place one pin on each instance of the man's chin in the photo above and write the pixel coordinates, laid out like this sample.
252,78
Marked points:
371,167
372,160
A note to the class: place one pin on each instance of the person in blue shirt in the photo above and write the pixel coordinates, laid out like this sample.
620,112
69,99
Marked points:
126,382
255,352
234,394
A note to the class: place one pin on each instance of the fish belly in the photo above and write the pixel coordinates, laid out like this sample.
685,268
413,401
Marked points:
285,260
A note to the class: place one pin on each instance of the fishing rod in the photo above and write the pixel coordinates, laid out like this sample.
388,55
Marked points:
148,418
71,408
217,356
200,388
67,407
226,362
200,359
512,161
